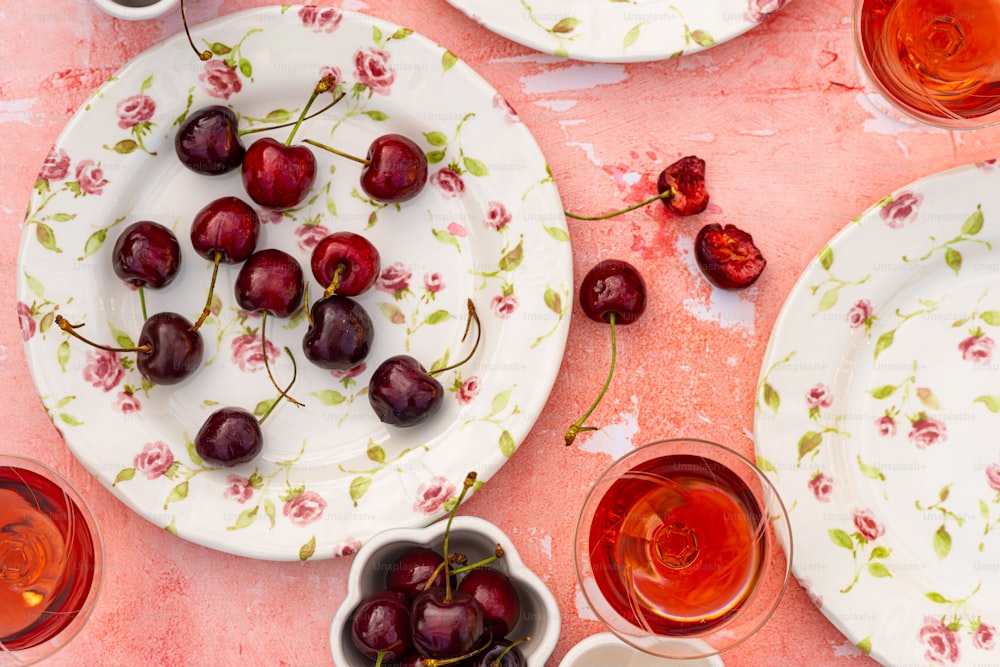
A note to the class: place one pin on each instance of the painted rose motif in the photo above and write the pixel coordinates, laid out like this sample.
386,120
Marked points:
56,165
248,353
901,210
984,638
103,370
758,10
941,643
394,279
504,305
27,322
510,115
457,230
90,176
868,526
821,486
468,391
347,548
270,216
304,509
977,349
371,67
309,235
432,495
350,372
320,19
449,182
238,488
134,110
927,431
886,426
497,217
220,80
154,460
819,396
329,71
993,476
433,283
859,314
127,403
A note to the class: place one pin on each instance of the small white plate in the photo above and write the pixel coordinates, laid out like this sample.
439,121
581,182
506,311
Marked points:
604,650
488,227
877,412
619,30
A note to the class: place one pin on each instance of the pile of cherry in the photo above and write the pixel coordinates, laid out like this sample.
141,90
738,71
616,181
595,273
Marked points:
437,609
270,282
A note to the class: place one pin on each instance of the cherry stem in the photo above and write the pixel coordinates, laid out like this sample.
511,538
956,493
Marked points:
335,151
142,302
202,55
335,281
207,310
267,366
378,660
470,479
498,661
251,130
284,392
578,426
439,662
473,316
71,329
497,555
324,85
663,195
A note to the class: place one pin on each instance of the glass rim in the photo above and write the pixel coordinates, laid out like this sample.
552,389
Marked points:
51,646
773,511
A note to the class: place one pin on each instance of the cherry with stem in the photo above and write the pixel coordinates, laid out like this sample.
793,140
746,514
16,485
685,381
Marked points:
395,168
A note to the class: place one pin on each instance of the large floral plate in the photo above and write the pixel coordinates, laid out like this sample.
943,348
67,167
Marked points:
619,30
489,227
877,414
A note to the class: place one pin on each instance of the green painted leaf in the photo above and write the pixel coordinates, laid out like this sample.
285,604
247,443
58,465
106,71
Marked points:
434,157
145,85
765,465
885,391
125,146
871,472
557,233
865,645
171,527
631,36
94,243
884,342
881,552
278,116
444,236
829,299
376,454
219,49
192,452
475,167
878,570
179,492
771,397
808,442
308,549
513,259
702,38
245,519
45,236
937,598
359,487
953,259
984,510
69,419
553,300
507,444
974,223
377,115
928,399
500,402
448,60
826,257
942,542
246,69
402,33
437,317
124,475
565,26
262,407
63,354
329,397
991,317
377,35
35,285
841,538
269,511
992,403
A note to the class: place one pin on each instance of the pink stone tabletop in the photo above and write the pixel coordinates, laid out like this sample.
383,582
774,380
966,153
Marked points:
795,149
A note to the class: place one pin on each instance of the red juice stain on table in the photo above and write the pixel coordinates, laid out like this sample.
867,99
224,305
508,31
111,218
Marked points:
675,545
46,559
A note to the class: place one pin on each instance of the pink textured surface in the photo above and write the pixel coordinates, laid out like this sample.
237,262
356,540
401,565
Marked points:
794,151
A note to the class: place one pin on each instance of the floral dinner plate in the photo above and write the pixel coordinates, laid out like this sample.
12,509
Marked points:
877,412
488,228
619,30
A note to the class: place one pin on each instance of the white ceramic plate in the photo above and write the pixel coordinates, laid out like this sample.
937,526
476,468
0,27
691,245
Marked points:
877,413
619,30
604,649
489,227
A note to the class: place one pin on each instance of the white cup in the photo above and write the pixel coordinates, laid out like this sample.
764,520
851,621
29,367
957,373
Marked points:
136,10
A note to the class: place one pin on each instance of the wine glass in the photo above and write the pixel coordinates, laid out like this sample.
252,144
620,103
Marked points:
681,548
51,561
936,61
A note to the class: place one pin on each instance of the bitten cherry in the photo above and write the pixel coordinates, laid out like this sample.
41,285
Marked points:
728,257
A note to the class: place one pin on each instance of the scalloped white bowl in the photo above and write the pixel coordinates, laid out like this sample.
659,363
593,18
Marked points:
136,10
472,536
606,650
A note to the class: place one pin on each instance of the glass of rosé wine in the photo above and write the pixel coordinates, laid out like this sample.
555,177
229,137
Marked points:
683,548
937,61
51,561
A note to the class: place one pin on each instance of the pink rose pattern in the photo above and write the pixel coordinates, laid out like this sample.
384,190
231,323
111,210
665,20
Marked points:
220,79
26,321
497,217
90,176
309,235
248,353
432,495
758,10
993,476
347,548
504,305
977,349
154,460
103,370
901,210
941,643
467,391
135,110
449,182
819,396
886,426
984,638
394,279
821,487
927,431
127,403
371,68
304,509
320,19
56,165
868,526
238,488
860,314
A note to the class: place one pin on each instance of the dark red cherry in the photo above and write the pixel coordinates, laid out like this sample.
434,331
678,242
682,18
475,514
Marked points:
683,184
228,437
146,254
728,257
208,141
271,281
613,286
380,624
500,646
228,226
169,350
498,597
402,393
277,176
349,258
396,170
340,333
410,572
446,627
